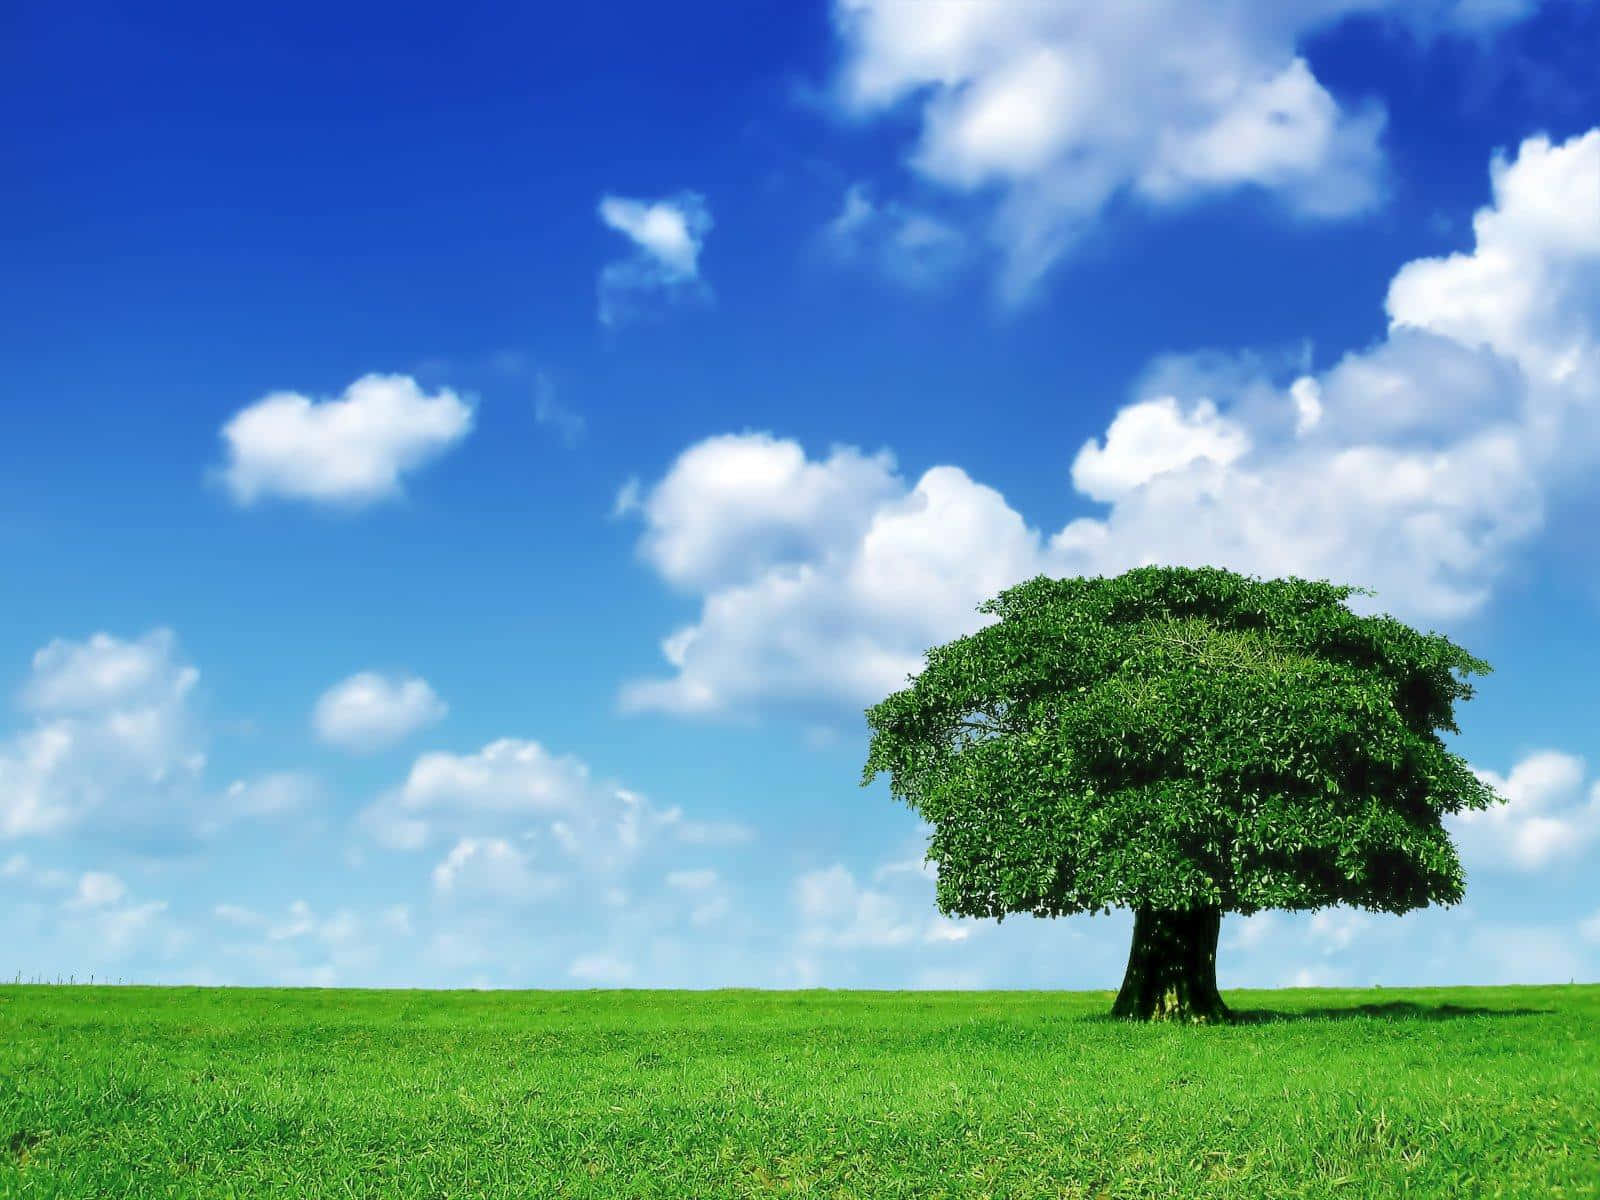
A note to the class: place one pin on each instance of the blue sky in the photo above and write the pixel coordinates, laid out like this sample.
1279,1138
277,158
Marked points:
465,474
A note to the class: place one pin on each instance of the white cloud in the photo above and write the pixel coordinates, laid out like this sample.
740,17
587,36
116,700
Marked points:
1246,933
369,711
350,451
105,672
99,920
112,735
907,246
1530,289
1057,107
98,889
600,969
667,236
1319,976
492,869
1148,440
533,831
835,912
1337,928
267,797
513,786
1544,823
1416,468
942,929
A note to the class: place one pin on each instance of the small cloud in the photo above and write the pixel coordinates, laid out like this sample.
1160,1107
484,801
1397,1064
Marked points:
547,412
942,929
369,711
264,798
667,237
627,498
351,451
1319,977
98,889
911,248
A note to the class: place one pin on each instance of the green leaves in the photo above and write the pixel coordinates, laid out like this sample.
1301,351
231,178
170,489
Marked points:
1177,736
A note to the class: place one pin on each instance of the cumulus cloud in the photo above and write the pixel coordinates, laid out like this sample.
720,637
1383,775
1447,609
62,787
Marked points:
369,711
1058,107
103,672
905,245
1546,821
116,749
351,451
111,730
667,236
834,912
1417,467
491,869
525,825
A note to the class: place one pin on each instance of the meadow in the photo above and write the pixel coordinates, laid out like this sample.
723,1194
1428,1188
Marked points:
156,1092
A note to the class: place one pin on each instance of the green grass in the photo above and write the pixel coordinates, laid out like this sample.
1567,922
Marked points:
148,1092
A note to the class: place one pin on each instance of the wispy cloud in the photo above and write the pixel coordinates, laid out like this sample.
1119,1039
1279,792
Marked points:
664,267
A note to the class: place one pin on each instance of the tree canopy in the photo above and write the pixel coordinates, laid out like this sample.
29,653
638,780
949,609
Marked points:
1182,739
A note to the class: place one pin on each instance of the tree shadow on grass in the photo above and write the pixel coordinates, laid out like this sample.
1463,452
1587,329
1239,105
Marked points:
1394,1010
1401,1010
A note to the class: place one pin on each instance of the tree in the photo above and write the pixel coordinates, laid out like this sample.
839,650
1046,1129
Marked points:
1183,742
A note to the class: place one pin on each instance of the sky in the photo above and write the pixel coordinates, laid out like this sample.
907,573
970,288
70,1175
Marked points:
467,470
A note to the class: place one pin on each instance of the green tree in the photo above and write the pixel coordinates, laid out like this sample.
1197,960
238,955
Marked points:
1182,742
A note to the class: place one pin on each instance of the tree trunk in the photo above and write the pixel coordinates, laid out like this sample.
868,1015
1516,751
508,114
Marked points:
1172,968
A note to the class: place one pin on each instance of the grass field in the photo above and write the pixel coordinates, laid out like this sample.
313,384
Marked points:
149,1092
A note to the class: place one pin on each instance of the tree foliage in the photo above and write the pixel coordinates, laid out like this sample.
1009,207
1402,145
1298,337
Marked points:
1182,738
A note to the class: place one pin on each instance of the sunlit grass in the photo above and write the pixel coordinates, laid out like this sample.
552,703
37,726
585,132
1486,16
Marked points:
109,1091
